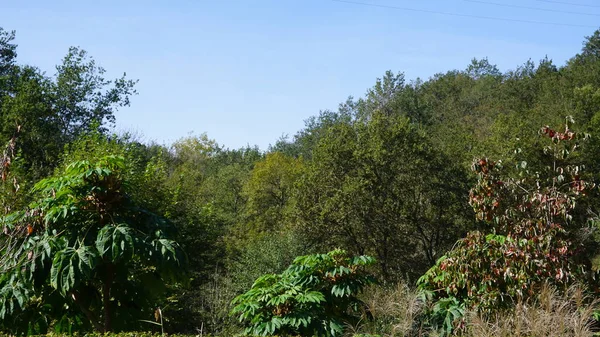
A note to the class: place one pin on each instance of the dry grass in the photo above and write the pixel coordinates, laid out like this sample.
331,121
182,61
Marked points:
394,312
550,315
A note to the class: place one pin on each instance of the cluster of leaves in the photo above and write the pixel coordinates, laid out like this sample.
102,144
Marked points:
315,296
533,237
85,248
379,175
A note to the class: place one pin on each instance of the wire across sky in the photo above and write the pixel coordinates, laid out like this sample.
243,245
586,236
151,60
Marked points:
410,9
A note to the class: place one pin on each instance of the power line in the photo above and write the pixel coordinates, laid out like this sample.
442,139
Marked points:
568,3
464,15
531,8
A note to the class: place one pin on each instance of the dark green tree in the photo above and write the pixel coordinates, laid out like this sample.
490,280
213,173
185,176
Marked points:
377,187
84,254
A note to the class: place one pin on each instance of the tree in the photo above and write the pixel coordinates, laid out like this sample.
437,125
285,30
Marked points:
377,187
84,244
269,191
51,111
316,127
265,239
228,172
536,234
382,96
8,51
584,68
591,46
191,206
267,216
199,186
482,68
82,96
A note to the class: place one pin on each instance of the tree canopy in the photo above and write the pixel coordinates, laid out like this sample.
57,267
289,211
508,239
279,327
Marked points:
102,231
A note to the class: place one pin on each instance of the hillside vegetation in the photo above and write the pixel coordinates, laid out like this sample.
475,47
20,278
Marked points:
465,204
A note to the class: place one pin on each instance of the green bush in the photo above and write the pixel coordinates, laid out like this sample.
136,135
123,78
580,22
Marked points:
315,296
88,256
535,220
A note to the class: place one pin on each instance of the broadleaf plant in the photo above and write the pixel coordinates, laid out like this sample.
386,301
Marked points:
315,296
86,248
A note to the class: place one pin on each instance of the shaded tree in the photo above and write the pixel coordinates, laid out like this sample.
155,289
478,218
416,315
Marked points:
377,187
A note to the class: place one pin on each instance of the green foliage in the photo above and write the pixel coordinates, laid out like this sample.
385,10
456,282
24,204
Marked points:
8,51
377,187
85,239
315,296
269,190
199,187
383,175
536,235
269,195
306,140
84,96
266,254
40,114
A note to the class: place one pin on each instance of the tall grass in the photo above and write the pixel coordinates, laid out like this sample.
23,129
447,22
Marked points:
548,315
398,312
391,311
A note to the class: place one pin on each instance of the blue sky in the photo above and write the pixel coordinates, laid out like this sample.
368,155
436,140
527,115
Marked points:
247,72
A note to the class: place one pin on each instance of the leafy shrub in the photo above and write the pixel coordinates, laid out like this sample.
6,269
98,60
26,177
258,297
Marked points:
83,255
315,296
535,220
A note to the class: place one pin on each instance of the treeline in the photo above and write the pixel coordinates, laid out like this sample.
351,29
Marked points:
387,175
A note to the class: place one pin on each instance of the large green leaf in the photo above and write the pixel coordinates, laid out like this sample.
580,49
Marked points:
316,295
167,252
116,242
14,293
72,266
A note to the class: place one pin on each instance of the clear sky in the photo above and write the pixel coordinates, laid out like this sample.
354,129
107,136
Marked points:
247,72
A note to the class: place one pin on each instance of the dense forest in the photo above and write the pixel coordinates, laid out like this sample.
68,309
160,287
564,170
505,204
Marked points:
459,204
